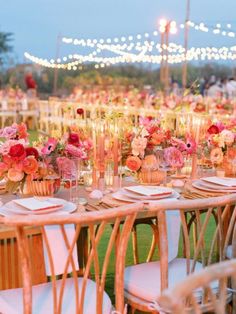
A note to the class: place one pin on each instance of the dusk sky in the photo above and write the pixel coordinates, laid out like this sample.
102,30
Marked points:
36,24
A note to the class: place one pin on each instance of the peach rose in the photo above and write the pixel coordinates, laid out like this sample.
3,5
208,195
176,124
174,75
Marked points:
15,175
150,162
133,163
30,165
216,156
157,138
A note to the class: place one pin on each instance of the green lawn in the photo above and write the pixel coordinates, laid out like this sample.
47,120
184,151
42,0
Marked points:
33,135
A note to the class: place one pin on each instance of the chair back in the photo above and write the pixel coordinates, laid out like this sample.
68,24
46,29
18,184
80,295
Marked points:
104,229
10,269
208,226
205,291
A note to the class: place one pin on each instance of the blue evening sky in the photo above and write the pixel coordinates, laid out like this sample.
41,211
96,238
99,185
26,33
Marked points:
36,24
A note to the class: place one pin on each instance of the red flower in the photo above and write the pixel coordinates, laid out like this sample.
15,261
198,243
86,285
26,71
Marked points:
73,139
213,129
168,134
80,111
17,152
31,151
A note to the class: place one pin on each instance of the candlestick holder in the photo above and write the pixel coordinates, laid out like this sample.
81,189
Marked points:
194,167
116,183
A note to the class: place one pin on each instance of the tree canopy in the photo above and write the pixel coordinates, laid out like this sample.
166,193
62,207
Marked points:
5,46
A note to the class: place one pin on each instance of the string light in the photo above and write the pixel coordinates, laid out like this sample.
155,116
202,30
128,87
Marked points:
162,24
200,53
215,30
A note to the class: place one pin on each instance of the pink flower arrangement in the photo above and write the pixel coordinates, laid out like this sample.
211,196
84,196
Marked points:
219,139
19,161
148,138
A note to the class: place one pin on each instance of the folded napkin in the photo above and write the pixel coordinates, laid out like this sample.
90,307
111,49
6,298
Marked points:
34,205
58,248
148,191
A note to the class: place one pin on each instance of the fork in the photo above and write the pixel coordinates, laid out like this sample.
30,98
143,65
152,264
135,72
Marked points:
91,207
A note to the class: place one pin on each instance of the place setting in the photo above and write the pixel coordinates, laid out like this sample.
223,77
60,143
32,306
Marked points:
141,193
216,184
37,206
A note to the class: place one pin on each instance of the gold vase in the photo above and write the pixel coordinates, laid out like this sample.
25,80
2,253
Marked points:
46,187
152,177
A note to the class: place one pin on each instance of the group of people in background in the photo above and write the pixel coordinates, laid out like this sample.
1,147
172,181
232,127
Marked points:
212,87
224,87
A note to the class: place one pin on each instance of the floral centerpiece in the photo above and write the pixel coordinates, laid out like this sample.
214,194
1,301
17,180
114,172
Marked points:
150,148
17,158
220,145
64,153
22,163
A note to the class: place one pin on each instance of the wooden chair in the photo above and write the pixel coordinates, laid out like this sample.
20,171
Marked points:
144,282
196,294
10,268
69,294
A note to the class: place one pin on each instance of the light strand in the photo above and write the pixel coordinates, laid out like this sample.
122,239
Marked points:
193,54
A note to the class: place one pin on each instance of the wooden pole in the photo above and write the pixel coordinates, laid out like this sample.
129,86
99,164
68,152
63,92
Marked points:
186,33
162,59
166,61
55,79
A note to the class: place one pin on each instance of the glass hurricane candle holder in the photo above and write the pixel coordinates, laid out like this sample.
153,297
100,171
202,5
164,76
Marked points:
69,173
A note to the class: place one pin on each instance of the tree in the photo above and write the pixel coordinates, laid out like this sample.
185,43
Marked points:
5,47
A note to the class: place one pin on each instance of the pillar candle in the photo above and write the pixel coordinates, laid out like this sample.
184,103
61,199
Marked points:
101,149
115,150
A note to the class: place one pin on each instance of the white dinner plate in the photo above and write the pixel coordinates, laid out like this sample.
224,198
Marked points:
200,185
216,187
224,182
142,197
124,198
68,207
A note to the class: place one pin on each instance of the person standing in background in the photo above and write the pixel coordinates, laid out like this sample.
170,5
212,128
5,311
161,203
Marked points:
30,85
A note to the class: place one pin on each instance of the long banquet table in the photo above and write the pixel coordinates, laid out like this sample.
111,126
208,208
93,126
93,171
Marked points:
8,245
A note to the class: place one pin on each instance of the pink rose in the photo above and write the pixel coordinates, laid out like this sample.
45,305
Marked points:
9,132
76,151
